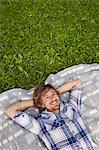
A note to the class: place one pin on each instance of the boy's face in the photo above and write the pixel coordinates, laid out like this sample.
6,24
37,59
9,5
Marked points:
51,101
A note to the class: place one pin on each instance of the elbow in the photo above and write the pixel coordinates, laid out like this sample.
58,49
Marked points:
7,111
10,113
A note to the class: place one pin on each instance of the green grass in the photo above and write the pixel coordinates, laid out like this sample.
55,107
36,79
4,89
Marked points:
39,37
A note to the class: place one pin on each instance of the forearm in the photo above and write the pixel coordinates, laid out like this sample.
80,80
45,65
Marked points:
19,106
67,86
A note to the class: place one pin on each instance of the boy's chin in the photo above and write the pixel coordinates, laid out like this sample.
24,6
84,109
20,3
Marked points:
56,107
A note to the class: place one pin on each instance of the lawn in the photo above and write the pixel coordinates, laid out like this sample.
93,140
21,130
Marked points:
39,37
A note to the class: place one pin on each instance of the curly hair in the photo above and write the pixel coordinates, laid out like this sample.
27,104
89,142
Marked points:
39,92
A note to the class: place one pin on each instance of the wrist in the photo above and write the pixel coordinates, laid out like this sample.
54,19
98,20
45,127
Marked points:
77,84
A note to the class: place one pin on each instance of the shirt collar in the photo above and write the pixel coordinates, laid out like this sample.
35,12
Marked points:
66,111
62,104
46,114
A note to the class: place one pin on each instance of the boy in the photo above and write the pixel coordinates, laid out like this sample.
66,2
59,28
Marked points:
59,124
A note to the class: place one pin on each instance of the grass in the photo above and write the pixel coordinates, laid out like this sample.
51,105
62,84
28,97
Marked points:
39,37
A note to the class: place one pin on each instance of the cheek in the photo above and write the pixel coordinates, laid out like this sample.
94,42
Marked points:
46,104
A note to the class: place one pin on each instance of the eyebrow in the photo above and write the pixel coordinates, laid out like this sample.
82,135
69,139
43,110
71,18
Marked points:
52,93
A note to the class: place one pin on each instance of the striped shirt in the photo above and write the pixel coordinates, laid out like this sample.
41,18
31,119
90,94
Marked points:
60,131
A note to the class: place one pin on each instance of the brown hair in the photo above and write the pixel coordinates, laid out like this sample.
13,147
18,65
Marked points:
39,92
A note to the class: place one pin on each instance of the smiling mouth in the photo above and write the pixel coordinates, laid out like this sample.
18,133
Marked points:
56,101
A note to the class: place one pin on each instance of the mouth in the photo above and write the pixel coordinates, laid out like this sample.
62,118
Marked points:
54,102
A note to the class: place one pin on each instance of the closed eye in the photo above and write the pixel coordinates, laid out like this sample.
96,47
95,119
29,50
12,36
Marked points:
54,93
47,97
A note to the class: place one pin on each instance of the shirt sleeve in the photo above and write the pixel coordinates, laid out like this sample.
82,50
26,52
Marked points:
27,121
75,97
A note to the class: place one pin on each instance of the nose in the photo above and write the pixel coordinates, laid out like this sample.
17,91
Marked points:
53,98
